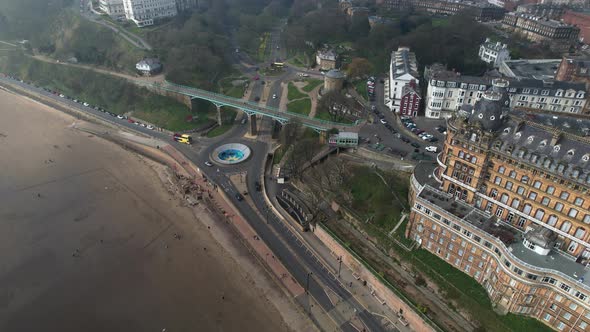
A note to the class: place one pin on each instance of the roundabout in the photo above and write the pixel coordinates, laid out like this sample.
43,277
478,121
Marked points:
231,154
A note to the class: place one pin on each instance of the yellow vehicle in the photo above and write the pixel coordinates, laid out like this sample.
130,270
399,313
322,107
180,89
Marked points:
183,138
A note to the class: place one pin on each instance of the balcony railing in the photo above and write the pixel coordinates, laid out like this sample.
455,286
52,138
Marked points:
439,161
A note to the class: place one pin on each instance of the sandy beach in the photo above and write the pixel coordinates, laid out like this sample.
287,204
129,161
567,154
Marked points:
87,240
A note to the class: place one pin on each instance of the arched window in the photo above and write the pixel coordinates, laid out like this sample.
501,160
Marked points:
580,232
515,203
540,214
565,227
552,220
572,247
527,209
504,198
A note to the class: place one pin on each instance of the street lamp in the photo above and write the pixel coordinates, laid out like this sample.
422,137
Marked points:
339,265
307,283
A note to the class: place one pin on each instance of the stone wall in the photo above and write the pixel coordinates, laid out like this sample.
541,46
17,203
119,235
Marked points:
392,300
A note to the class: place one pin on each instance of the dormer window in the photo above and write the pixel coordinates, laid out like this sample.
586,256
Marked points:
517,135
570,152
547,162
492,118
586,157
543,143
530,139
480,115
507,130
559,93
556,148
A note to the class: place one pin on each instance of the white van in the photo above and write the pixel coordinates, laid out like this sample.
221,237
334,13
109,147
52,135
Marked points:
431,148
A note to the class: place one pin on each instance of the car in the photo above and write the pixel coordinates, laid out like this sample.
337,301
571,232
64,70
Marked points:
441,129
258,186
130,120
136,123
86,104
274,96
416,145
75,100
431,148
373,107
61,95
405,139
208,163
142,124
150,127
239,197
119,117
433,139
383,121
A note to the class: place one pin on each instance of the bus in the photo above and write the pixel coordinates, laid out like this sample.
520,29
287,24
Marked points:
183,138
278,64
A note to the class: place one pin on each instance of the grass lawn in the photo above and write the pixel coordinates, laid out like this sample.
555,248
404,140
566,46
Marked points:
440,22
300,60
301,106
228,89
278,155
294,93
324,115
312,84
219,130
463,289
361,88
371,198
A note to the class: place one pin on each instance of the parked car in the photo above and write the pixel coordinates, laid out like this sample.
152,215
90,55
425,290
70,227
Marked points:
383,121
431,148
416,145
150,127
405,139
258,186
239,197
86,104
208,163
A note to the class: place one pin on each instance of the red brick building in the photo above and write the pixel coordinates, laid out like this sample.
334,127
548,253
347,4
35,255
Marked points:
410,101
582,21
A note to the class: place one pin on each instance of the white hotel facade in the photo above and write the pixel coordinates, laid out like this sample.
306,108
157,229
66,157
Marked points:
448,91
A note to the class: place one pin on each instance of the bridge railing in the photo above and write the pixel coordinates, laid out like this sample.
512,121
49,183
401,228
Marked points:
272,110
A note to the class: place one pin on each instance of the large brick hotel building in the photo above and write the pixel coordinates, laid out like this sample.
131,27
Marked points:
506,202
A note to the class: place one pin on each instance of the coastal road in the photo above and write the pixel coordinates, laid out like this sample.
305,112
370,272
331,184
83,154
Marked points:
289,250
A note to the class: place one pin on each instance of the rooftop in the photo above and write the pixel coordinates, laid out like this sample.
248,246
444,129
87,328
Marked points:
496,46
541,20
404,62
510,237
348,134
537,69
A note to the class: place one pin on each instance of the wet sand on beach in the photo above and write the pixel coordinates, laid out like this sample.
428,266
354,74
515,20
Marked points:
87,240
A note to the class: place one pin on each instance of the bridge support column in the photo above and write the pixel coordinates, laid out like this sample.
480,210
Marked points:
323,137
276,128
219,115
253,129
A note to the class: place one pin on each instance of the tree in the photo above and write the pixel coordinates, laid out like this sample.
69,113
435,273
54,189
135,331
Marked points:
334,103
359,67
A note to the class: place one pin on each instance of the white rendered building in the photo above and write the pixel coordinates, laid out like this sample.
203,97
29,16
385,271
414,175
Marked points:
494,53
114,8
448,91
144,12
402,70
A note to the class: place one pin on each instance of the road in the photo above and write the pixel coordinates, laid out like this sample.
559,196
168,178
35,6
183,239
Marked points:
282,241
377,132
87,12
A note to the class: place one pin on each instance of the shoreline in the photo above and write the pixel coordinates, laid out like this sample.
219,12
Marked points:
292,317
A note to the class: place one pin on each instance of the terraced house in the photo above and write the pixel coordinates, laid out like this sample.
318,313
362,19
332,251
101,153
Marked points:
507,203
449,91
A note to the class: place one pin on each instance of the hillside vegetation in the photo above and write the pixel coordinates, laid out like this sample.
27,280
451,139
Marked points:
112,93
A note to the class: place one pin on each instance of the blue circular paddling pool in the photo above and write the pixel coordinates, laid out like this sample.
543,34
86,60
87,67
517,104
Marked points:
229,154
